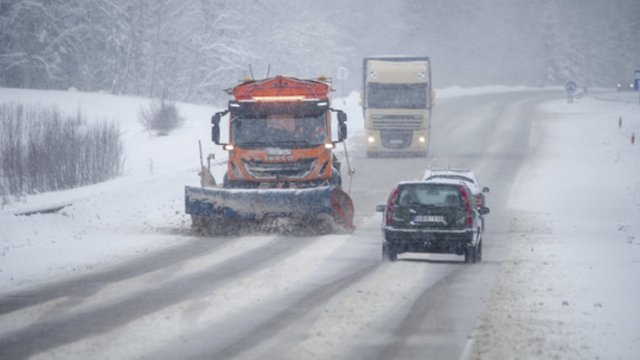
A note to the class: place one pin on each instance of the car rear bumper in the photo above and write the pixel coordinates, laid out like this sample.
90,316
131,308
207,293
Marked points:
429,241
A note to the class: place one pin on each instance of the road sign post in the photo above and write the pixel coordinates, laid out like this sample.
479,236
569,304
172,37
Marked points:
342,74
570,87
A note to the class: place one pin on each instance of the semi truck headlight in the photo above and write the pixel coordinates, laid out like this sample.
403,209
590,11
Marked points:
371,140
422,139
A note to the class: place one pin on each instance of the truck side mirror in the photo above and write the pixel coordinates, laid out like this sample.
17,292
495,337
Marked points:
215,119
215,134
342,125
342,131
215,128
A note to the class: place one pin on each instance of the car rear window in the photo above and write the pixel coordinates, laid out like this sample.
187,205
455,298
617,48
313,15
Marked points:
429,194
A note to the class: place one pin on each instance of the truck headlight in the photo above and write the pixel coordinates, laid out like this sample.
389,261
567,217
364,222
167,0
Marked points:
422,139
371,139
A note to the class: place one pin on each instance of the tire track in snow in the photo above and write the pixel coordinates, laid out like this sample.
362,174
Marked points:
289,310
58,331
306,305
436,320
87,285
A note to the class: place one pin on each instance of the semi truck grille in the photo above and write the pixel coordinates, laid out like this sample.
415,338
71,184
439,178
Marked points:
397,122
396,139
276,170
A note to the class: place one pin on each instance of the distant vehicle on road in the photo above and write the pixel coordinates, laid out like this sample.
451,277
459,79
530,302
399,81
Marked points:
465,175
397,99
432,216
625,86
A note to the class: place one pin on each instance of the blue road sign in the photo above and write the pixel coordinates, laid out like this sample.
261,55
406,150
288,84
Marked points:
570,86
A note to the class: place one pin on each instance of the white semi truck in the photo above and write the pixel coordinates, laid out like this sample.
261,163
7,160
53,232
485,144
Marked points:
397,99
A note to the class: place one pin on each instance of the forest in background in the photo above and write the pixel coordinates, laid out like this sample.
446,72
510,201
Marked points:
189,50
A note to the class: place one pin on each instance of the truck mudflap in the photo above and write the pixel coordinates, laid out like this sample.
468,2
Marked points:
260,204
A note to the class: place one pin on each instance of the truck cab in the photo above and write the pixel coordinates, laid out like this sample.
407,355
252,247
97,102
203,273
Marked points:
280,135
281,164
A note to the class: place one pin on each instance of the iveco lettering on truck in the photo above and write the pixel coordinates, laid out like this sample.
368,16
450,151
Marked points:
397,99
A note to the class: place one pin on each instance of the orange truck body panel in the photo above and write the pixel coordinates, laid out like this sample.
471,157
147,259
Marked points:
290,90
282,86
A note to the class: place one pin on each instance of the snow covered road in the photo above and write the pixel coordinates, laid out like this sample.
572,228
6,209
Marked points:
176,295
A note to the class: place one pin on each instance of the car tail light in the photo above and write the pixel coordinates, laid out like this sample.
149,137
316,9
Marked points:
468,220
390,205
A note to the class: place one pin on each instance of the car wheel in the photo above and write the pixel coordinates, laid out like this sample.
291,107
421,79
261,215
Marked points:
470,255
388,253
467,256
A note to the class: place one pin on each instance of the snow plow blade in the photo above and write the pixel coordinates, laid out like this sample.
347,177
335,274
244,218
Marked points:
260,204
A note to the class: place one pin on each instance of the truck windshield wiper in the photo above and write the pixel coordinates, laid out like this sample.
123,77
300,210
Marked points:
252,143
294,143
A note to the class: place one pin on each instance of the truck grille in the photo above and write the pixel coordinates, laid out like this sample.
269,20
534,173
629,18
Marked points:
396,139
397,122
277,170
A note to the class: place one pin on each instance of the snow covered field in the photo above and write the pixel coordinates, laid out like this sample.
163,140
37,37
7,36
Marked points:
567,289
109,221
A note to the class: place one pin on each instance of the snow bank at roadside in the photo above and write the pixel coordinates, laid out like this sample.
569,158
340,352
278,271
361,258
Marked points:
110,221
570,285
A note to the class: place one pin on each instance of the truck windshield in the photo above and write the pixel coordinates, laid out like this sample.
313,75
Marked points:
397,96
282,130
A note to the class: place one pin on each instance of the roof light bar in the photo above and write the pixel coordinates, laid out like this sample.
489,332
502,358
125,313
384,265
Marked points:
279,98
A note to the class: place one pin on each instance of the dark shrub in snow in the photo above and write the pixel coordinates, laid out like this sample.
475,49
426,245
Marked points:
44,150
161,116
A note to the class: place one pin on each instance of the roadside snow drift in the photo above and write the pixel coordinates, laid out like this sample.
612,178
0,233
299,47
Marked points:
570,287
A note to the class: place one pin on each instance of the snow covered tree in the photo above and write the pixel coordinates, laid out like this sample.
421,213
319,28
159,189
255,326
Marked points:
34,42
192,49
214,51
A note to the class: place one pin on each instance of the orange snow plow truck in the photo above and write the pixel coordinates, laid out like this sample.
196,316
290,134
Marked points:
281,169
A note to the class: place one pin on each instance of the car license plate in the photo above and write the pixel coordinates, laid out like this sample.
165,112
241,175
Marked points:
429,218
